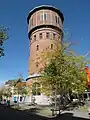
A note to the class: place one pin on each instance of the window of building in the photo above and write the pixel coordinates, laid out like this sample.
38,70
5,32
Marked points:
36,90
51,46
40,35
56,19
58,37
34,37
37,47
41,16
37,64
54,35
45,16
31,21
47,35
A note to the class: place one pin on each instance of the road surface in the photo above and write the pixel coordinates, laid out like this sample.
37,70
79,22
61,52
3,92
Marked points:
12,114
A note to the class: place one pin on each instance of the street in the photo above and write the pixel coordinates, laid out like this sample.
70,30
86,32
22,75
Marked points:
13,114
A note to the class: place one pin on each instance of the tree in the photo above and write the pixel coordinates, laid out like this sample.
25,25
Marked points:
1,94
20,88
63,72
3,37
5,92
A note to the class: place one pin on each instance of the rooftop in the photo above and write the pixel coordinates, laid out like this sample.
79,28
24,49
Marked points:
49,7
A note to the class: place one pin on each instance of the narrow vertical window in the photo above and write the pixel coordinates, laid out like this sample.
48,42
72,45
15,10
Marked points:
37,64
54,35
56,19
41,16
40,35
32,22
47,35
51,46
45,16
58,37
37,47
34,37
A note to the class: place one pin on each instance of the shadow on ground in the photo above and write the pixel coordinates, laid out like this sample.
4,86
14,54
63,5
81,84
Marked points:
68,116
14,114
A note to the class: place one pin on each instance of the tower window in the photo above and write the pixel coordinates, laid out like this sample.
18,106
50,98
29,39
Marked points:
51,46
41,16
45,16
54,35
58,37
40,35
56,19
32,22
47,35
37,64
34,37
37,47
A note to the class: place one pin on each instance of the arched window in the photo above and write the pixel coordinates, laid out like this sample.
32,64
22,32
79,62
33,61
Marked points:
54,35
51,46
36,88
37,47
47,35
34,37
40,35
37,64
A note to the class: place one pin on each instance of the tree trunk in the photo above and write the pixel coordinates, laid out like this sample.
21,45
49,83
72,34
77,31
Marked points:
55,100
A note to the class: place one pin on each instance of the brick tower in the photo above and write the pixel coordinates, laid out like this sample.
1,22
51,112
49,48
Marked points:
44,30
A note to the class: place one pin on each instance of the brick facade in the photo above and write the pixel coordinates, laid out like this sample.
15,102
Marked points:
44,30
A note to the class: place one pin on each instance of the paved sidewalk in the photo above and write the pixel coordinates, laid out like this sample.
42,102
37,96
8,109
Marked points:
78,114
46,112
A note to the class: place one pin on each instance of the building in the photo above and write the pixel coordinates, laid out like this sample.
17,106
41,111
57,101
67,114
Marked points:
45,32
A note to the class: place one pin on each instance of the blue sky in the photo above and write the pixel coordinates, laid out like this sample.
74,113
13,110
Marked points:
13,15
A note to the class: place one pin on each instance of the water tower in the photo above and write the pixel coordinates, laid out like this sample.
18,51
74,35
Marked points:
44,30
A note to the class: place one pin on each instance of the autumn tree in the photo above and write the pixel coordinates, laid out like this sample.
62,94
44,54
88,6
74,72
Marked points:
20,88
63,72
